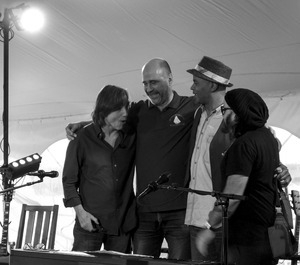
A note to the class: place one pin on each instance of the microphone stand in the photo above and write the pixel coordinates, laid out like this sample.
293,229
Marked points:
8,195
21,186
224,203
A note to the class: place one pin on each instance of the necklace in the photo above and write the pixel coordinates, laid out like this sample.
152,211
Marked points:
224,153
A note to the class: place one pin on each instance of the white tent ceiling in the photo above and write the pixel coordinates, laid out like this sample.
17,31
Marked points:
56,74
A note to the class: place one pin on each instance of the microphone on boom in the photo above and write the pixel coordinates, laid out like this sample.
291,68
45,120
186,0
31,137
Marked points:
163,178
42,174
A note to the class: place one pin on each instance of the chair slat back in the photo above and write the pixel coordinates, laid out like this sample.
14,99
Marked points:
40,224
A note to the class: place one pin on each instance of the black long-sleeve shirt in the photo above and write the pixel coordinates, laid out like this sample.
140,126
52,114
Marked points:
100,178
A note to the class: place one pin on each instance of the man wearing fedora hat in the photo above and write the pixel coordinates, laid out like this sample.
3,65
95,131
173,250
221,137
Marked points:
210,80
207,146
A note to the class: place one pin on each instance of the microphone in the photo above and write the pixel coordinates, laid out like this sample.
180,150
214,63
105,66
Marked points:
163,178
42,174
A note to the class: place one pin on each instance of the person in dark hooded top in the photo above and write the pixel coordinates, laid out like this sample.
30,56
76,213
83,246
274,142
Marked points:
248,166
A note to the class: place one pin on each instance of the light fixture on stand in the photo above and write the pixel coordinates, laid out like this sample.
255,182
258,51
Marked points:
21,167
22,17
11,17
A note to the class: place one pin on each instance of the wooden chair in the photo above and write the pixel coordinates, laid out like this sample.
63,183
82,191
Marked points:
39,222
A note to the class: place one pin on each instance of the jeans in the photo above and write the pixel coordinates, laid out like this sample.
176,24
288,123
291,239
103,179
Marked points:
92,241
214,249
154,227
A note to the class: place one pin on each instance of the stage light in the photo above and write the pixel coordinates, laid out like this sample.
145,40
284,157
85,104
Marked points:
22,166
24,17
32,20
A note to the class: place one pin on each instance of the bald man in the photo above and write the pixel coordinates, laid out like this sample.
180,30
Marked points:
163,124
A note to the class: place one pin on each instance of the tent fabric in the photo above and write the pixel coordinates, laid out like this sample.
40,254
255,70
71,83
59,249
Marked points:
56,74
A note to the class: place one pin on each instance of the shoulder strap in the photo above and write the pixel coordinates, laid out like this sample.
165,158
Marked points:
284,204
277,192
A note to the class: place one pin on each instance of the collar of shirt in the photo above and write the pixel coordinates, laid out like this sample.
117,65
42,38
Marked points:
100,134
98,130
217,110
173,104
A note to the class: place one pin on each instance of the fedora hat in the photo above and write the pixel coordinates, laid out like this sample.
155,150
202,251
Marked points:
212,70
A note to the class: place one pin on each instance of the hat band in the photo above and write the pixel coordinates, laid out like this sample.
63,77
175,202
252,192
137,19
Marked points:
211,75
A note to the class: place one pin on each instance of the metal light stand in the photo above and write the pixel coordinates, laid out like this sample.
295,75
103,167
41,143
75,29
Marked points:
6,25
6,182
223,201
5,29
6,33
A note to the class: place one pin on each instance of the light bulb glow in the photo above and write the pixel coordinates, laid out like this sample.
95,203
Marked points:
32,20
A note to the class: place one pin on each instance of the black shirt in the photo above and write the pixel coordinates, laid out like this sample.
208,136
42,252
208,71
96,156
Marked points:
162,146
100,178
254,154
